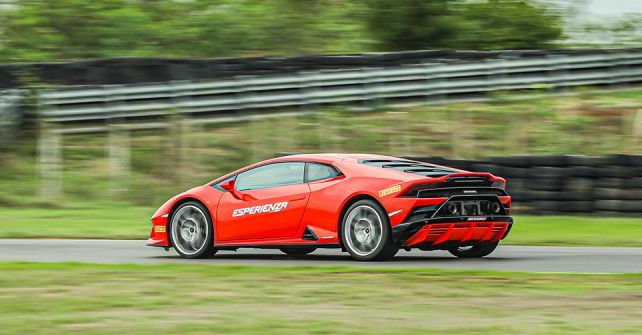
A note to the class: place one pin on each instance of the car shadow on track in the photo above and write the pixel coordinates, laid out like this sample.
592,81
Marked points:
402,258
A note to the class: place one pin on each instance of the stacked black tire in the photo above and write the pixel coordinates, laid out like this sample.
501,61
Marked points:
565,184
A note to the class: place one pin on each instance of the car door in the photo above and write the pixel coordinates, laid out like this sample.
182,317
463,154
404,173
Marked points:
269,203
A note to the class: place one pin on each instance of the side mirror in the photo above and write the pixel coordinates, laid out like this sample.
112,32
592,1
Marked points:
230,186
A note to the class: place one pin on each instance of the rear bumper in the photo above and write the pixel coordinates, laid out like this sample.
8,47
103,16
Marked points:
448,232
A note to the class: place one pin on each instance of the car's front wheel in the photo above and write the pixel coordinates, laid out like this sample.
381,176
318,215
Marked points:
365,232
191,231
477,251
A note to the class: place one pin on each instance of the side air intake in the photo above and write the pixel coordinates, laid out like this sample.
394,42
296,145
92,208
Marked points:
309,235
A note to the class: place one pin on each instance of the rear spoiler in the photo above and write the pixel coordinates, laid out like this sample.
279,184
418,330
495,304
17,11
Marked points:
464,179
473,175
463,176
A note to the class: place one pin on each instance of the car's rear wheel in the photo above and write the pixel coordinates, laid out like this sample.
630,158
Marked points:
297,251
191,231
477,251
365,232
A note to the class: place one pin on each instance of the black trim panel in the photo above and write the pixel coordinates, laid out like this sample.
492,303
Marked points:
309,235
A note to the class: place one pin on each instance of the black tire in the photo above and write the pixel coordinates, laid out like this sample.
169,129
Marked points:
610,194
545,195
545,206
581,160
547,172
614,172
385,249
634,183
550,160
516,184
631,206
206,246
522,161
514,173
547,184
608,205
477,251
576,206
578,184
297,251
609,183
582,171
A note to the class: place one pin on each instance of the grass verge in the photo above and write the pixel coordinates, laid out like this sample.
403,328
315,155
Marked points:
123,222
131,222
38,298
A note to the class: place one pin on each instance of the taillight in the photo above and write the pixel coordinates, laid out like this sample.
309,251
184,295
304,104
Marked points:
413,191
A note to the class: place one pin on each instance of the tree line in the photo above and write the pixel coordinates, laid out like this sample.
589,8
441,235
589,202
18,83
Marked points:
39,30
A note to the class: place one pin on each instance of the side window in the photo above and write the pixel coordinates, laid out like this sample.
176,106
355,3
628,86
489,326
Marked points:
317,171
271,175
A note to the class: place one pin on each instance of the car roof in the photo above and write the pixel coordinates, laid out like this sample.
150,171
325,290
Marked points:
387,165
335,157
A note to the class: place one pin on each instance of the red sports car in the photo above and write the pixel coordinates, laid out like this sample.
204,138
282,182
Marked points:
368,205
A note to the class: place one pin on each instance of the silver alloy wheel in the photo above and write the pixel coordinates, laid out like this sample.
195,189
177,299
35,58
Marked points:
189,230
363,230
464,249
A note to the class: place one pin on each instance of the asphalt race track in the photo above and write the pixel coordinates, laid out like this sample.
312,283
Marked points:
513,258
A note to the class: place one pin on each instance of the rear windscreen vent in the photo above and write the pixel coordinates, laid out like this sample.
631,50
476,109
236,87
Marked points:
419,168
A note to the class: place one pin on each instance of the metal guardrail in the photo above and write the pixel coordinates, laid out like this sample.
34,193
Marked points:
209,101
138,70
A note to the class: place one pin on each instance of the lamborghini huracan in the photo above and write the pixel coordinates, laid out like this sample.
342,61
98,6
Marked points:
368,205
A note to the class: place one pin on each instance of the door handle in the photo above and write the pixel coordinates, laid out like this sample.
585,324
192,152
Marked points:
299,198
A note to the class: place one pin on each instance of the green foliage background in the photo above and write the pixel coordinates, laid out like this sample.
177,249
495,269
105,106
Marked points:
41,30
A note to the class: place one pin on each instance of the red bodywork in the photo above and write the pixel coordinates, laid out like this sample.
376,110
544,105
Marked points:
317,206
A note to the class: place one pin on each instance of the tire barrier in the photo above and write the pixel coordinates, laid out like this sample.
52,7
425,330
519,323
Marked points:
564,184
117,71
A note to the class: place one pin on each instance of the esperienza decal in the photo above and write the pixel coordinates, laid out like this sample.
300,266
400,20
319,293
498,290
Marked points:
268,208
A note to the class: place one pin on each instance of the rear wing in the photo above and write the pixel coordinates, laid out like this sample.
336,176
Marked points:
464,180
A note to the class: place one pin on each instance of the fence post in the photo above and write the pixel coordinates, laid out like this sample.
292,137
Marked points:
637,129
119,160
556,73
50,162
370,88
306,91
433,77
